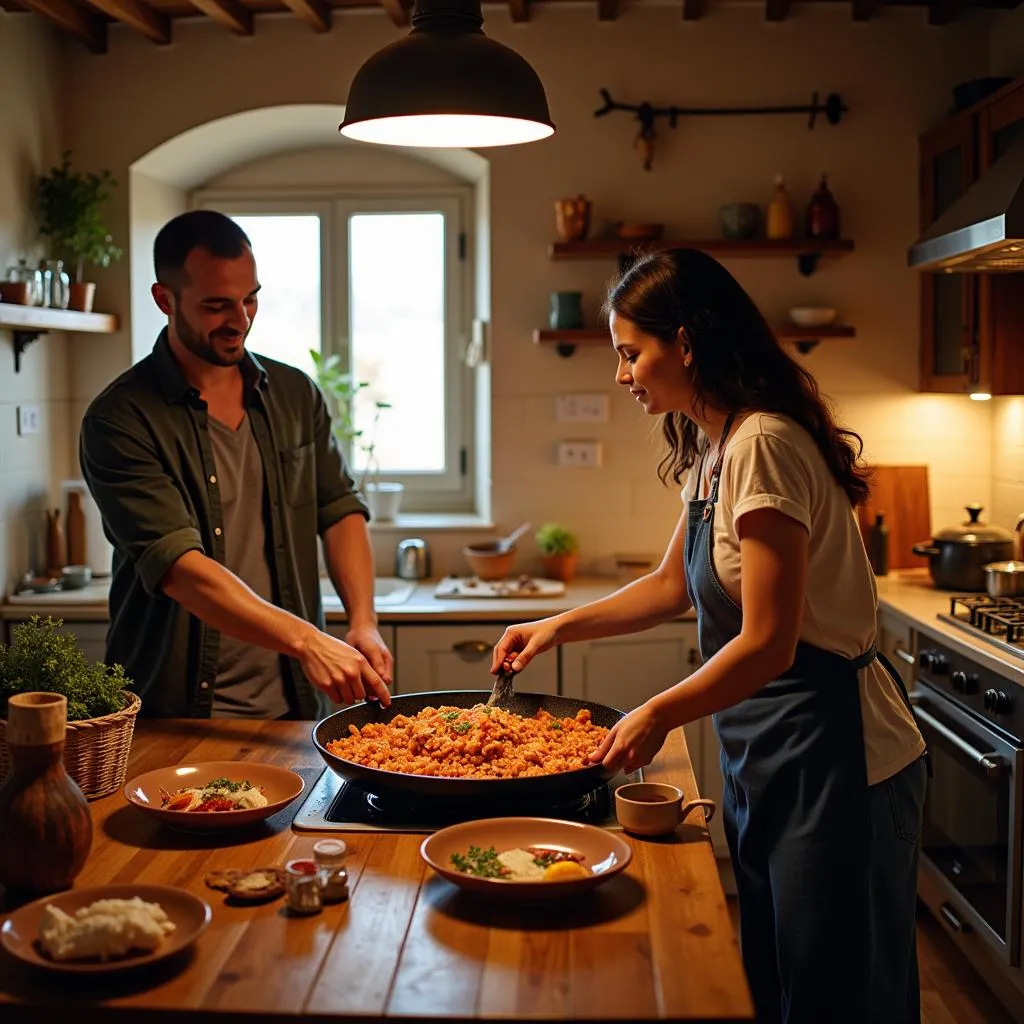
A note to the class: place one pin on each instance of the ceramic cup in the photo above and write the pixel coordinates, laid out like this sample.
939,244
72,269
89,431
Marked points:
655,808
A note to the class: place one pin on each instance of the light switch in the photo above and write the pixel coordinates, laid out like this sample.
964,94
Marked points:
28,419
581,408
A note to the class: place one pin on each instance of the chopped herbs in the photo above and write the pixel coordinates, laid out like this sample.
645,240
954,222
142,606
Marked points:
555,725
227,784
483,863
450,716
462,727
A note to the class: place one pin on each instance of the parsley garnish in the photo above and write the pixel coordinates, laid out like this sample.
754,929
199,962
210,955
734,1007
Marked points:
554,725
450,716
483,863
462,727
228,784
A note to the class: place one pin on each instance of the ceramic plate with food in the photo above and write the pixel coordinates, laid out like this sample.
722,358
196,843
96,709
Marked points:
526,858
105,928
214,795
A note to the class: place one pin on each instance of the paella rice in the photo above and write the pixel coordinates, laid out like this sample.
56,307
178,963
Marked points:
476,742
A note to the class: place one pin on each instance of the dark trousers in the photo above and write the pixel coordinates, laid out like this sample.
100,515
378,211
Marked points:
827,917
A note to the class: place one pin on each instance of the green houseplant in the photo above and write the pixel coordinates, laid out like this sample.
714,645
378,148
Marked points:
342,389
101,709
70,209
559,550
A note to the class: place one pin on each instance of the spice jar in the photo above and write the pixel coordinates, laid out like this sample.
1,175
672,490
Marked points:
302,886
823,213
330,856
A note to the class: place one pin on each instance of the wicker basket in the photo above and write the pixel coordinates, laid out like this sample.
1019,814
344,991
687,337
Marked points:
95,749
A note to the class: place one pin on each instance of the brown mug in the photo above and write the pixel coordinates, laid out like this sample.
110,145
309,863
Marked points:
655,808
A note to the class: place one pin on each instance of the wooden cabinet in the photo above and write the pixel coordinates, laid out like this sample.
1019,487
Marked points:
950,336
458,657
971,324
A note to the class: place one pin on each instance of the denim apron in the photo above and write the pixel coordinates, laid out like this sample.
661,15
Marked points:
795,811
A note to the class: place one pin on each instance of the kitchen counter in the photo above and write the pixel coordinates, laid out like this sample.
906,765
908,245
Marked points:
655,943
911,595
90,604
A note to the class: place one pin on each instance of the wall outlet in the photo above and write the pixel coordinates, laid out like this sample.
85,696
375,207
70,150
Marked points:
28,419
579,454
581,408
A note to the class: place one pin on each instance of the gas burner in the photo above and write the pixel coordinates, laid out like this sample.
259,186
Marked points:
999,620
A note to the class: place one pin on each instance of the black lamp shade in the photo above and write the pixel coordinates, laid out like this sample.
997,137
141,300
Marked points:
446,84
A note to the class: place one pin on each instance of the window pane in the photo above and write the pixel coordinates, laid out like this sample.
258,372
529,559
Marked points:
397,332
288,321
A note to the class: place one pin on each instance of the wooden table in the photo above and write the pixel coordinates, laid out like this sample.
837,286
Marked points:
655,943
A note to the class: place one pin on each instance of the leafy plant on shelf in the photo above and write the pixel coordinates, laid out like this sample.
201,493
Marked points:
70,208
554,539
342,389
40,658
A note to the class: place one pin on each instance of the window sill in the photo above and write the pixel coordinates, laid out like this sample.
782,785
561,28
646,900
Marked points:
439,522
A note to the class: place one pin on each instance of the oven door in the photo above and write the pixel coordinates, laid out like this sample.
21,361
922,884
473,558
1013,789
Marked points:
972,832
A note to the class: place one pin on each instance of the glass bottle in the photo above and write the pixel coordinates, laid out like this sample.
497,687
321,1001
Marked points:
779,222
56,284
329,856
302,886
823,213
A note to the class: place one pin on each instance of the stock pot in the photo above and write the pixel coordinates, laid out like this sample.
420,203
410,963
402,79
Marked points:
957,556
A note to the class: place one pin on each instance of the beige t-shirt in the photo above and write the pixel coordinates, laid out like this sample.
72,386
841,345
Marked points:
772,462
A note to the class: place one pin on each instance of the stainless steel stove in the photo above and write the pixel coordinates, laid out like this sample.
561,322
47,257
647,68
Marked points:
997,620
334,805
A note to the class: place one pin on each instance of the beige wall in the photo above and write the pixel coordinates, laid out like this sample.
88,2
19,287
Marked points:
31,467
895,73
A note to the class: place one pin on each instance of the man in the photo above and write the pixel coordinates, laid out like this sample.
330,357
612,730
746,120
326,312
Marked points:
215,472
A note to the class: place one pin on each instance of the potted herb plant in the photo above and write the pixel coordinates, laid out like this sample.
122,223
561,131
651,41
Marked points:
70,209
101,710
558,549
383,498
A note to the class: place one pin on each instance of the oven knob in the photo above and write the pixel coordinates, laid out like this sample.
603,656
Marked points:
998,701
939,665
965,682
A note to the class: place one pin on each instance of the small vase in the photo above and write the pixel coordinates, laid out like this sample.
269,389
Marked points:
559,567
566,311
47,827
384,500
572,218
81,295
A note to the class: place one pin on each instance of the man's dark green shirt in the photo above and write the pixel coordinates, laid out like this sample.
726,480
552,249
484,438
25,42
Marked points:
146,454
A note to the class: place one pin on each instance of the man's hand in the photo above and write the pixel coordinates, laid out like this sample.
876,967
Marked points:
338,669
368,641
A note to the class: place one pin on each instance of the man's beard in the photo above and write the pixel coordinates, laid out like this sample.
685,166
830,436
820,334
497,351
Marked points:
199,345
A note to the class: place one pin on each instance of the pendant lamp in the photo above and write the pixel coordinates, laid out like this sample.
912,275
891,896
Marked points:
446,85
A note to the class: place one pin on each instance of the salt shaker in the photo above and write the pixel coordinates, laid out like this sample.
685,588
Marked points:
330,855
302,886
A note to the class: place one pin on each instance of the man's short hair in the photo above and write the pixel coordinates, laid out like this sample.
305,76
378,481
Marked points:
208,229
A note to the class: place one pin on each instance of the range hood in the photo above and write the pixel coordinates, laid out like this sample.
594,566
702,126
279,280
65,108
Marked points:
984,229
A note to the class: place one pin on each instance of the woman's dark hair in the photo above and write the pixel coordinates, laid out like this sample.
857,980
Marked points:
206,229
738,364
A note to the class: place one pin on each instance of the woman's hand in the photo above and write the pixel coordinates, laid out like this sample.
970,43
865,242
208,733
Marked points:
519,645
633,741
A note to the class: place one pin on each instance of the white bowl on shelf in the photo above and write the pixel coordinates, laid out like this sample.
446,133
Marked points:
812,316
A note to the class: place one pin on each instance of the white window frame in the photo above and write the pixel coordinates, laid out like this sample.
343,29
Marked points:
453,489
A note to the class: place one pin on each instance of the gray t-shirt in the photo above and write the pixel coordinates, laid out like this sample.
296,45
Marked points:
248,683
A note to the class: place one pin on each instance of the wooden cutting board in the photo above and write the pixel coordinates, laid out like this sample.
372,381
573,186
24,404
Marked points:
901,492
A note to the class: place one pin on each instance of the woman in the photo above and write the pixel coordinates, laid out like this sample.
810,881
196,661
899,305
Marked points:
824,776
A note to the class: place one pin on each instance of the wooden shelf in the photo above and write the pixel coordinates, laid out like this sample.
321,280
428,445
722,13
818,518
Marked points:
26,323
805,338
806,251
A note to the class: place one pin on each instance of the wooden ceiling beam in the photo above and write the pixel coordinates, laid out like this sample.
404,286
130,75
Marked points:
75,20
607,10
942,12
776,10
315,13
229,14
694,10
396,11
519,10
136,14
864,10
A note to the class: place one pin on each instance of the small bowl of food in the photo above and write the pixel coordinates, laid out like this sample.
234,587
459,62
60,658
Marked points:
75,577
812,316
488,561
214,796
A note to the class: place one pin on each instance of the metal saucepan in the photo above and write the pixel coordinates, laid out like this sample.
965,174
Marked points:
549,788
1004,579
957,556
